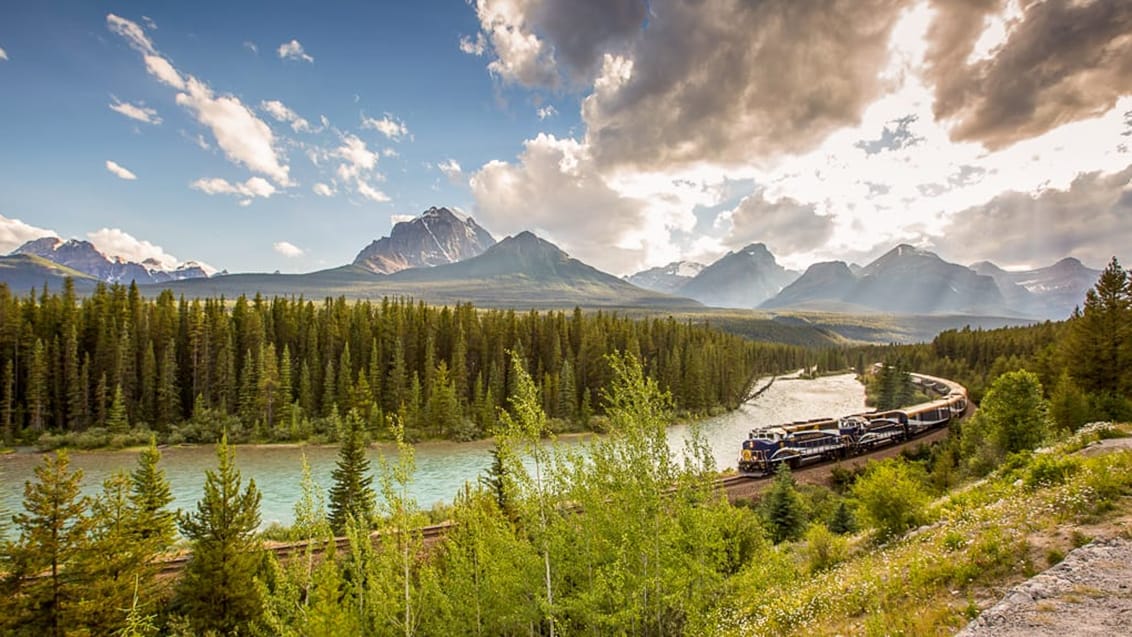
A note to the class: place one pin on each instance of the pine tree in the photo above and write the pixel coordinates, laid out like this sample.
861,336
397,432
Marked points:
150,496
1068,405
1099,347
116,420
113,561
53,532
842,521
217,590
168,392
352,495
782,506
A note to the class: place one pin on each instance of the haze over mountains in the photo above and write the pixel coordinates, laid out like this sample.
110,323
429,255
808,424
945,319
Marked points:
443,256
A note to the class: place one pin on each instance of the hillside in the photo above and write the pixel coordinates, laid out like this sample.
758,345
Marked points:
23,272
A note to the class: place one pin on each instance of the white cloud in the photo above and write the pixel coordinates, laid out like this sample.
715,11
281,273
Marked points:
287,249
138,112
114,242
555,190
253,187
521,56
244,138
396,219
163,70
323,190
281,113
451,169
369,192
358,168
119,171
388,125
476,47
546,111
14,233
293,51
3,55
251,46
133,33
357,157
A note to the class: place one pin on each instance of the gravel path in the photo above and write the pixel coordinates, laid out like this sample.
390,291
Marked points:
1089,593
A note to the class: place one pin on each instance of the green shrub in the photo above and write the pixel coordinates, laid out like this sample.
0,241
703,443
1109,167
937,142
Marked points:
892,498
824,548
1050,469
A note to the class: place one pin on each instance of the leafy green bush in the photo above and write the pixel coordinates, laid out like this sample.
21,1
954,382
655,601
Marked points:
824,548
892,498
1050,469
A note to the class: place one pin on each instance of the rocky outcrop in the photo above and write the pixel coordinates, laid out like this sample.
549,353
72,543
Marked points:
1088,593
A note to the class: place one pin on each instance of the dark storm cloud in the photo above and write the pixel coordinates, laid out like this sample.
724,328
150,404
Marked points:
786,226
736,80
1065,60
582,31
1092,221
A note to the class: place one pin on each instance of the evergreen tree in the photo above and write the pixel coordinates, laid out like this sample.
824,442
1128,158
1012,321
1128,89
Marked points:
1068,405
352,495
116,420
150,496
217,589
1099,347
53,532
114,560
842,521
782,506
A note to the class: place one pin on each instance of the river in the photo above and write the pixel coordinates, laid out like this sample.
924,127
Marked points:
442,467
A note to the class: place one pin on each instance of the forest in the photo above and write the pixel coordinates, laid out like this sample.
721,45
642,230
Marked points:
110,368
626,538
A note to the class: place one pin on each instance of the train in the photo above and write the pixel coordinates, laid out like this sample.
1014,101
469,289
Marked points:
819,439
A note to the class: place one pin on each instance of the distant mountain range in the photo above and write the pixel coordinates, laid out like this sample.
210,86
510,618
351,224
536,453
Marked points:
442,256
905,280
82,256
741,279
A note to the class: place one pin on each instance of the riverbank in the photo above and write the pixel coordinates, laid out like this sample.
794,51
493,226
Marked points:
442,467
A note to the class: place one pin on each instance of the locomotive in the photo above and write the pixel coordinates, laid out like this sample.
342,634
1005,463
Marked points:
835,438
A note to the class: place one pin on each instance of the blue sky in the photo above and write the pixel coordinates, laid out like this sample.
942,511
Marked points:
287,136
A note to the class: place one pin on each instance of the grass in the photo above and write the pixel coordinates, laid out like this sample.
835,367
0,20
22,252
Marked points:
980,539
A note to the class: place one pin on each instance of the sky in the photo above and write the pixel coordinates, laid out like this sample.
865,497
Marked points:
257,137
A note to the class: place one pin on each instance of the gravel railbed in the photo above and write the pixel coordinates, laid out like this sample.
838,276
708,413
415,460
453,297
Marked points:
1088,593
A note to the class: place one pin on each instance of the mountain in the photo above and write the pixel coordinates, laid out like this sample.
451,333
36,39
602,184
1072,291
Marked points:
1052,291
831,280
24,272
438,236
83,257
667,278
525,267
905,280
913,281
523,271
741,279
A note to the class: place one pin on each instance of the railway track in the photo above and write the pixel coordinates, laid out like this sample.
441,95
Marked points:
737,486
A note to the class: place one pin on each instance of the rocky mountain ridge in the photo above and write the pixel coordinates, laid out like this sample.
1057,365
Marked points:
438,236
666,278
84,257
